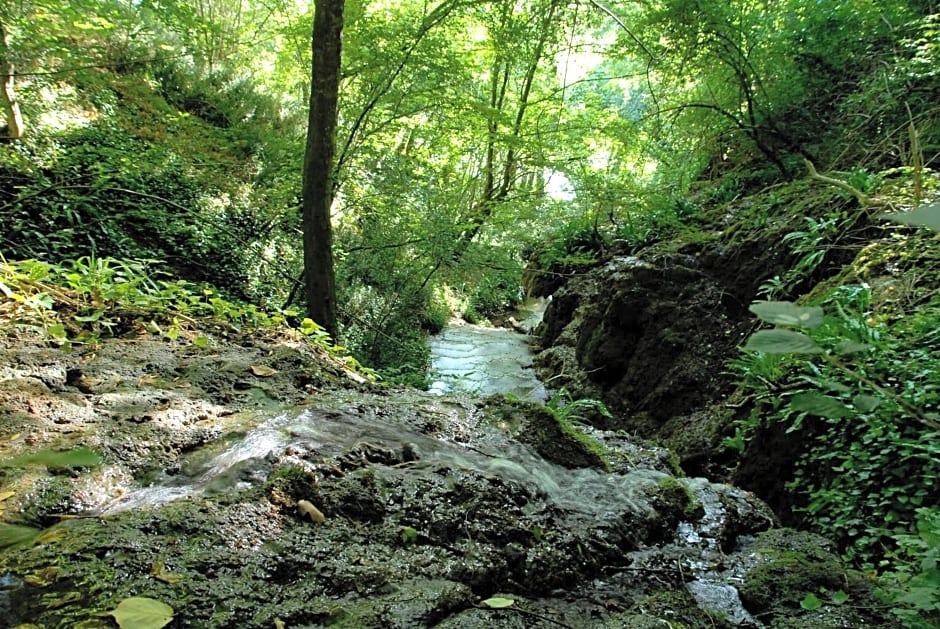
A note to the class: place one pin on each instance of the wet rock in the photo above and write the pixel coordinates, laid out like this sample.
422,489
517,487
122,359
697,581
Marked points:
431,504
794,564
650,335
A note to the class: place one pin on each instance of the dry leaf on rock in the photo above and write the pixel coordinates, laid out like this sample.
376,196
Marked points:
261,371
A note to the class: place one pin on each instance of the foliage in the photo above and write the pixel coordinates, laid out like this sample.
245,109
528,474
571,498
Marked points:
103,192
87,299
859,403
864,395
568,409
914,583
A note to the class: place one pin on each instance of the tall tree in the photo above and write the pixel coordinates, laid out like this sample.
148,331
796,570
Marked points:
11,109
318,164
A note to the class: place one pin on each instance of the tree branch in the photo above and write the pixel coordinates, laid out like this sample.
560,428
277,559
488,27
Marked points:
863,199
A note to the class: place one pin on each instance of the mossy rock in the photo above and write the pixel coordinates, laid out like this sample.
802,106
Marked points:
552,437
673,500
795,564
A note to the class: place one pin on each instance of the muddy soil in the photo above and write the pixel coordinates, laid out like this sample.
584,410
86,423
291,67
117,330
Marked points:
384,508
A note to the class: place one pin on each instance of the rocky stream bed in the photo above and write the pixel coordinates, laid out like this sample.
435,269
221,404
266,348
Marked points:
253,483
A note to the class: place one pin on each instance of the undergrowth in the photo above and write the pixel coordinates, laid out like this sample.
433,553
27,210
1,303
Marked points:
854,375
83,301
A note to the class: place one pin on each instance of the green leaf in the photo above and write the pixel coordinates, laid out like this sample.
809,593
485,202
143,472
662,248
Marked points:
409,536
839,597
90,318
142,613
923,216
865,403
498,602
201,341
816,403
57,331
782,342
787,313
79,457
11,534
811,602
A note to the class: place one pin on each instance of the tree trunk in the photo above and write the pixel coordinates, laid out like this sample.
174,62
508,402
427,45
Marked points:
11,109
318,164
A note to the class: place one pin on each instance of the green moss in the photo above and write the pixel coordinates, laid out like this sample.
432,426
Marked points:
673,497
795,564
555,438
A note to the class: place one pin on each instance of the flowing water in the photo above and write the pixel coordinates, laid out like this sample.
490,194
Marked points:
476,359
482,360
330,432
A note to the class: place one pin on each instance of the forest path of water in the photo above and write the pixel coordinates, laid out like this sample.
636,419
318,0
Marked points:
487,360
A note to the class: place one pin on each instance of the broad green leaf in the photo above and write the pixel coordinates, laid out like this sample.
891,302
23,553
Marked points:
811,602
923,216
816,403
865,403
497,602
79,457
57,331
201,341
788,313
142,613
782,342
839,597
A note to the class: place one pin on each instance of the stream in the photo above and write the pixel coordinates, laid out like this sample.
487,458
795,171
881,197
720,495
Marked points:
355,505
482,360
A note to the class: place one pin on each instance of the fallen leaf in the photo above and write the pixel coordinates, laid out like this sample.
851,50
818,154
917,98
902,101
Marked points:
307,508
142,613
262,372
158,570
498,602
6,494
13,438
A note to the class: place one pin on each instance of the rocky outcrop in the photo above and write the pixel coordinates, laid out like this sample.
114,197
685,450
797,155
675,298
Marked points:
359,506
647,336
